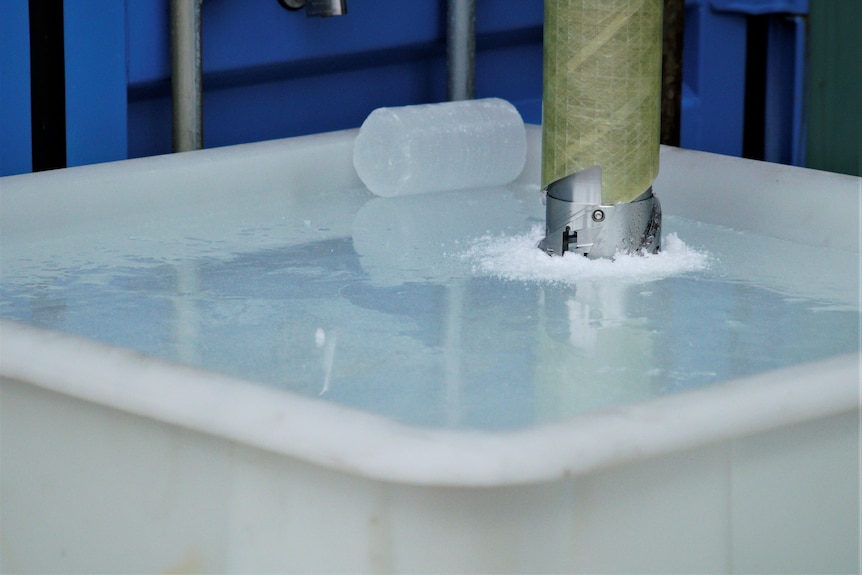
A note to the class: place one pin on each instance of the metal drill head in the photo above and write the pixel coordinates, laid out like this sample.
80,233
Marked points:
576,221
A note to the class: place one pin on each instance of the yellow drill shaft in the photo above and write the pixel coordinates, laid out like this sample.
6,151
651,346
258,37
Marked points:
602,93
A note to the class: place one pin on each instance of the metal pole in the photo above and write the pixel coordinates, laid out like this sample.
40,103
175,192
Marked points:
461,49
186,76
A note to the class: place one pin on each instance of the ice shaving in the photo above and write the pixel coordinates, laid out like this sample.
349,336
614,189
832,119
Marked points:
516,258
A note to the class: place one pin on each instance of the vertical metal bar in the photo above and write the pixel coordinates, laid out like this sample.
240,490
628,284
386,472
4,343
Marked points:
461,49
756,70
47,85
186,76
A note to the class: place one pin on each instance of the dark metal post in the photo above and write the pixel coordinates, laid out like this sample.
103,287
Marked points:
461,49
186,75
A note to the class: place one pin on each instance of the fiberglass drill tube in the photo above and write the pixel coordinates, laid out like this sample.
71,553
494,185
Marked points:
601,102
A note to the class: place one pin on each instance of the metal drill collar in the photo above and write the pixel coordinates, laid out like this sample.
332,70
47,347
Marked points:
576,221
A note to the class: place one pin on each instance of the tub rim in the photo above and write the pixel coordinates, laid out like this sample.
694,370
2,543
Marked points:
373,446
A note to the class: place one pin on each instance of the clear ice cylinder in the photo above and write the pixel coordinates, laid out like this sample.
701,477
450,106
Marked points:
439,147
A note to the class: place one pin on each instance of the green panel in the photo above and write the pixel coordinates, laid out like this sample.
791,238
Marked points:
835,86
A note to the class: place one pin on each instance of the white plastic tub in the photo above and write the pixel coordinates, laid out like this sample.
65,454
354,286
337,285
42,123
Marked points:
118,461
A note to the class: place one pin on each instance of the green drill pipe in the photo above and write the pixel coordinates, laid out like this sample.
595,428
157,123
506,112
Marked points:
601,98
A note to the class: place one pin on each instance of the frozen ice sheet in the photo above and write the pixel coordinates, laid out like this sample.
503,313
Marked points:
390,310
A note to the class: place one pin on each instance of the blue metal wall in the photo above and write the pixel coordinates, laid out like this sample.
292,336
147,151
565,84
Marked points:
15,138
717,57
270,73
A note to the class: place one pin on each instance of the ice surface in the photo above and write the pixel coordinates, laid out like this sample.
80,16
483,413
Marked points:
435,147
437,310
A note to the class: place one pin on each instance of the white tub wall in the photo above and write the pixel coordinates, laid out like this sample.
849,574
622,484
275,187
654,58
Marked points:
798,204
792,198
91,489
783,501
276,175
797,499
272,175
